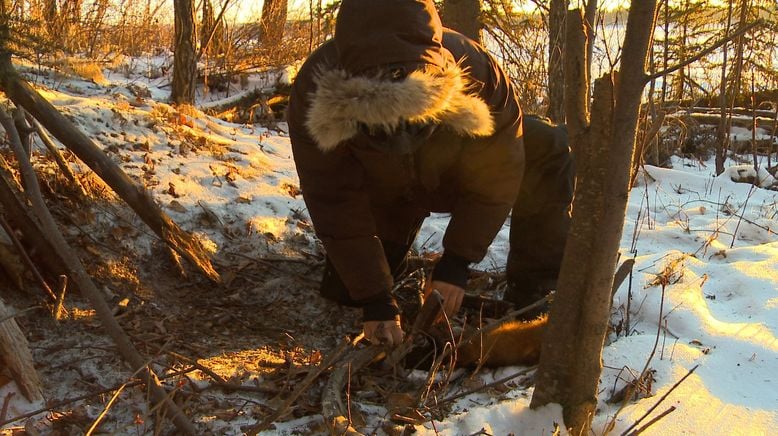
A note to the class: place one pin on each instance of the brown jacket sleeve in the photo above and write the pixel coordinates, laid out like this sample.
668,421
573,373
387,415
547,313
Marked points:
332,186
489,170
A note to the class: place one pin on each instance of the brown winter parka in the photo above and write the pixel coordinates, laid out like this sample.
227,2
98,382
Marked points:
357,192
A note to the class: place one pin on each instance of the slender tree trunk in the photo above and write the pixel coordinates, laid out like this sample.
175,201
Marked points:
570,362
464,16
681,82
50,16
665,47
72,25
207,25
556,49
722,135
5,30
590,19
184,60
273,21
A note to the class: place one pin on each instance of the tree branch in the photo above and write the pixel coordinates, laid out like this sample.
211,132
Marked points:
84,282
705,52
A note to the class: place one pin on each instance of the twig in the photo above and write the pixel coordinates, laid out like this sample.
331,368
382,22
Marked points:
427,315
67,401
6,403
705,52
313,375
25,257
61,163
59,306
487,386
332,407
219,380
19,313
653,421
205,370
745,205
651,409
110,403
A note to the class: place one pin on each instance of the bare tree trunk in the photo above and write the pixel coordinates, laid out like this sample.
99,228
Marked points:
72,24
207,25
681,82
577,83
212,30
722,135
740,43
213,38
666,47
21,218
184,60
5,29
273,21
556,49
50,16
570,362
590,19
464,16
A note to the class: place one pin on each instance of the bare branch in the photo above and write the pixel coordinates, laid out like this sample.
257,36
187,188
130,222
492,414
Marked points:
707,51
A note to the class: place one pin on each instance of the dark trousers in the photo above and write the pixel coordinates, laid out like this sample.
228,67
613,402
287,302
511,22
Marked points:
539,222
540,218
333,288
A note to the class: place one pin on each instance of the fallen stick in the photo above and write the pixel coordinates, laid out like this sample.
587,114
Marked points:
219,381
22,94
332,408
19,313
6,403
15,353
669,410
107,407
84,282
68,401
54,151
651,409
303,386
486,386
429,312
19,215
26,258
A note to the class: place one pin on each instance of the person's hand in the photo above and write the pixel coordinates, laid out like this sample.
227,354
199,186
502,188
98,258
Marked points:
452,296
384,332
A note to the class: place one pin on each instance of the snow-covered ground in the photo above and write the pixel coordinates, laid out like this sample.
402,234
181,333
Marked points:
713,240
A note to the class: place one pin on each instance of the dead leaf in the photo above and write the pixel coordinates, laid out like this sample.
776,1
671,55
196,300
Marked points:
400,402
176,206
172,190
414,418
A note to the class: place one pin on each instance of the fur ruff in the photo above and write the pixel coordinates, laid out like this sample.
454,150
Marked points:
341,102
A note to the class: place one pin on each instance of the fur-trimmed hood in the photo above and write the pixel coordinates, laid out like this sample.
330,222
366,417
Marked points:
373,38
342,102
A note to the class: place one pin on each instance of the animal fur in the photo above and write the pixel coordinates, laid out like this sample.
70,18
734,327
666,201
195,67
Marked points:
511,343
341,102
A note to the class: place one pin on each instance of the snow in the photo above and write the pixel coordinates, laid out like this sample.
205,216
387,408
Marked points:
713,239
